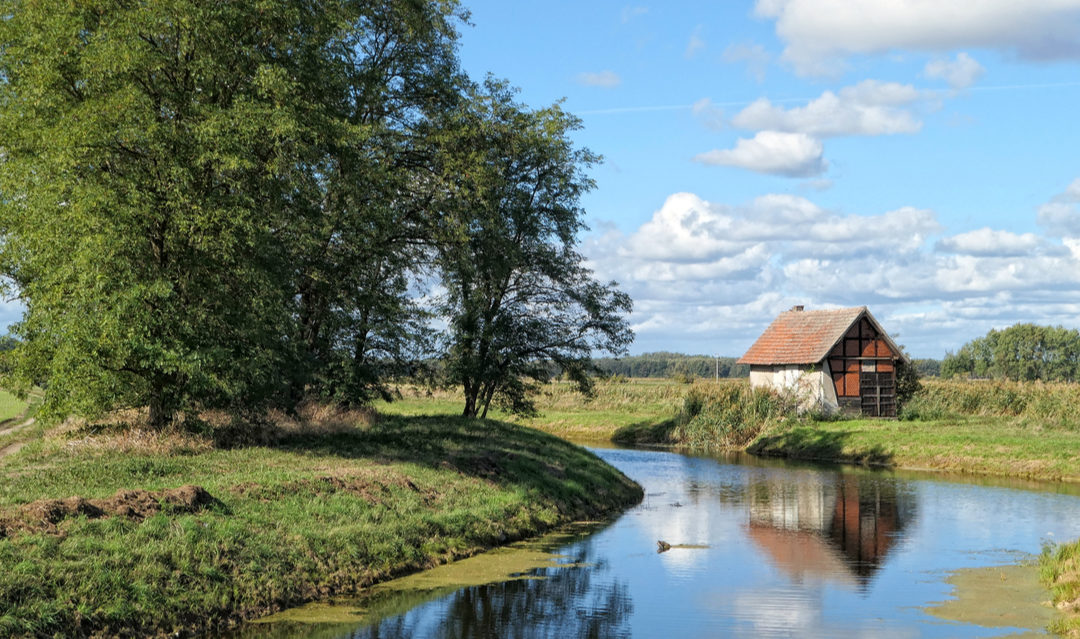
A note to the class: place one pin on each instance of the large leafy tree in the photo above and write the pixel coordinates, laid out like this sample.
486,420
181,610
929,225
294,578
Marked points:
519,302
199,201
1020,352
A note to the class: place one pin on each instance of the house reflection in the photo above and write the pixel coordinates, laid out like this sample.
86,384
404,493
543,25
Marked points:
826,526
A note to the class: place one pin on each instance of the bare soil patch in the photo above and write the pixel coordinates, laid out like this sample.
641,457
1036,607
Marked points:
45,515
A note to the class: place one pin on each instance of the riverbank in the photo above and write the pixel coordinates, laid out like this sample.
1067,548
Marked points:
145,534
1059,568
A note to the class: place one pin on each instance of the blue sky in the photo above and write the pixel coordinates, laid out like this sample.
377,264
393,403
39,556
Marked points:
917,157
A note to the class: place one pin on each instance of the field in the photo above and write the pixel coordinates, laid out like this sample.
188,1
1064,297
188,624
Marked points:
120,530
562,411
1001,428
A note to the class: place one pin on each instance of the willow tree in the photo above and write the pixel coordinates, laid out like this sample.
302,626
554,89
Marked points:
175,178
519,304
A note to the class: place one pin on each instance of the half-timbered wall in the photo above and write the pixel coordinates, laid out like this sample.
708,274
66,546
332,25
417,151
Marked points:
863,371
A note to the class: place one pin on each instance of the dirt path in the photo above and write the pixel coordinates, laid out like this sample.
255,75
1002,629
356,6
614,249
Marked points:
14,447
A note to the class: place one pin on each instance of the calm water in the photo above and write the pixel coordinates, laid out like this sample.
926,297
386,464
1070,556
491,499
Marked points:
761,549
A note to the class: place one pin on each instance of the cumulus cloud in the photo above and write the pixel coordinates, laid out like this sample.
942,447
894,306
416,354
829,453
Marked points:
990,243
602,79
820,33
719,272
755,56
868,108
960,72
774,152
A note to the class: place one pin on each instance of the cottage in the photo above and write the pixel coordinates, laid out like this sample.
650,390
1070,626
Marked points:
839,360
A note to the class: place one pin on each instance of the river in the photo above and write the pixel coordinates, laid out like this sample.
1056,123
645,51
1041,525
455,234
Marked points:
759,548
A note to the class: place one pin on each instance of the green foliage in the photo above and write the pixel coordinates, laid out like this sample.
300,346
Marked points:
907,383
1024,352
216,205
727,415
518,298
1049,405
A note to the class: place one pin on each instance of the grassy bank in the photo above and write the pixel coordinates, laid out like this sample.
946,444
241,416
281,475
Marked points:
99,537
725,415
999,428
1059,568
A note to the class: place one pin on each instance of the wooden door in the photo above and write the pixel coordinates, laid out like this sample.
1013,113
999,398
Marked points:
877,391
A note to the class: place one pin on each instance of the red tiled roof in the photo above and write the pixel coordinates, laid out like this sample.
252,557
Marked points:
801,337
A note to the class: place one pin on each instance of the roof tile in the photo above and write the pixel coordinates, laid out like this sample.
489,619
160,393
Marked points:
801,337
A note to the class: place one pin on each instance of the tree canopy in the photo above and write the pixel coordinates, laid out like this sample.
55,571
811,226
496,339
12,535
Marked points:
235,205
1022,352
518,298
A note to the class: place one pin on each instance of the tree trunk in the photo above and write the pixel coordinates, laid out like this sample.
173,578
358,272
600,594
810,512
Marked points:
159,415
471,391
489,392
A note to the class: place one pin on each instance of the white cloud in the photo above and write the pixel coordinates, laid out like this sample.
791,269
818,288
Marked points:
990,243
774,152
1061,215
696,44
602,79
755,56
868,108
708,276
820,33
959,73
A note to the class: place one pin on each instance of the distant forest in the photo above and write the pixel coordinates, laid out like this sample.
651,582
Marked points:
665,364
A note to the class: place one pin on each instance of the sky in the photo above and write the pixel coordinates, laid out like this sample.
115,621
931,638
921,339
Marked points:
918,157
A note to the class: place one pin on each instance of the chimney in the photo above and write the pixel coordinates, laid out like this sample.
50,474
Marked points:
797,308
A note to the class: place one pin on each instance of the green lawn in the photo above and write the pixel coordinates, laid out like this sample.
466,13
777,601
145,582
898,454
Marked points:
323,510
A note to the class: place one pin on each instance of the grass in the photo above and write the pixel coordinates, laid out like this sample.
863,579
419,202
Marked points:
1059,569
725,415
326,506
11,406
563,411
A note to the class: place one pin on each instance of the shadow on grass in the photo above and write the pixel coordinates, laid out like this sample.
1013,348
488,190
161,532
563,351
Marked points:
491,450
646,433
805,442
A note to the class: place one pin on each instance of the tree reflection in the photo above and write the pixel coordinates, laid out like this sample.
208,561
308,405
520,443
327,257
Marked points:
577,601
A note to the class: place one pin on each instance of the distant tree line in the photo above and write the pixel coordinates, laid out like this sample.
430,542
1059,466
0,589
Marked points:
248,205
1023,352
664,364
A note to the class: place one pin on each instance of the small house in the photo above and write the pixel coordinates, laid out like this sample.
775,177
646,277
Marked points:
835,360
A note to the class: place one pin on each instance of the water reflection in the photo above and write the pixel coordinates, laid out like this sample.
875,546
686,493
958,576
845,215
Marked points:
827,526
760,549
580,600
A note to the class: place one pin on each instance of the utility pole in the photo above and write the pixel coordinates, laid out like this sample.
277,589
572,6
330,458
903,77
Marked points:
718,368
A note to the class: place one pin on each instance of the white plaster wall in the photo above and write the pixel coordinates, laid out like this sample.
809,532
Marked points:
812,384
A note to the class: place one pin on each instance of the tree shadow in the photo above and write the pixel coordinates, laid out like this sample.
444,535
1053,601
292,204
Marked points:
813,444
646,433
490,450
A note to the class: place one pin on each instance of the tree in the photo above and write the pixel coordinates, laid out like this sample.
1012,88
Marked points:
518,298
1022,352
196,198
